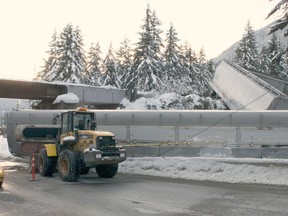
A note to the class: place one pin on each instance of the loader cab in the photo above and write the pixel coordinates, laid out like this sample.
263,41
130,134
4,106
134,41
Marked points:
77,120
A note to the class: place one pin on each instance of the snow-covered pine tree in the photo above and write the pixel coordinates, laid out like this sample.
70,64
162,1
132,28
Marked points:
125,60
211,67
247,55
281,23
94,64
173,69
190,69
203,75
272,56
202,56
71,61
147,66
51,64
156,36
110,73
264,61
284,66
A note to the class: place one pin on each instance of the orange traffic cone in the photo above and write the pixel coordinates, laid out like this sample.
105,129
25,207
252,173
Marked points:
33,167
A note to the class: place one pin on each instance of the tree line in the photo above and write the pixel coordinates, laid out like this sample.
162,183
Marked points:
151,64
154,63
271,59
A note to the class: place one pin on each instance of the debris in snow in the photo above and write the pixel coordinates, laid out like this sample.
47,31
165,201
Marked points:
68,98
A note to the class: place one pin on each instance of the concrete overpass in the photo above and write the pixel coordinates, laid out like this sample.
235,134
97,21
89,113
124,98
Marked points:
99,98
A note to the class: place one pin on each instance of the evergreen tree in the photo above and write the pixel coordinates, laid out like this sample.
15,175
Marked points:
125,60
156,38
190,68
71,61
147,66
173,68
246,55
94,64
202,56
283,74
203,75
264,61
210,67
110,75
281,23
51,64
275,52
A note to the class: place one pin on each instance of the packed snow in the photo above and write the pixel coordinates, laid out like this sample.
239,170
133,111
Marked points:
7,160
230,170
171,101
68,98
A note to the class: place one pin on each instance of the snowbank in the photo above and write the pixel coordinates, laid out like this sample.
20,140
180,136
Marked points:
7,160
232,170
156,101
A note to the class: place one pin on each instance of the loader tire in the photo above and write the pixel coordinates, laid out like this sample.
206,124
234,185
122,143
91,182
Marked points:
84,170
69,166
46,165
107,170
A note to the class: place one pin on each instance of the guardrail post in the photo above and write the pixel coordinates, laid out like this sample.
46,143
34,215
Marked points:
238,137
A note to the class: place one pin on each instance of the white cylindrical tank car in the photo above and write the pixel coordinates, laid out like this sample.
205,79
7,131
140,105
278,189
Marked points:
240,89
28,130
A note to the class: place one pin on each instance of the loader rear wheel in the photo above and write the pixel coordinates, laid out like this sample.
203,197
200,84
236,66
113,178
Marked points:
46,165
69,166
107,170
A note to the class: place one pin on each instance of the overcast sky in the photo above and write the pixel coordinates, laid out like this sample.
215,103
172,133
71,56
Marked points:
27,25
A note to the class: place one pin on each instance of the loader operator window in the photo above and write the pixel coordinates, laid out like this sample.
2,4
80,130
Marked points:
66,126
82,121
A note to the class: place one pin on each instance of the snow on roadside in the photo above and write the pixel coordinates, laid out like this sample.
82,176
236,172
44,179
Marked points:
7,160
232,170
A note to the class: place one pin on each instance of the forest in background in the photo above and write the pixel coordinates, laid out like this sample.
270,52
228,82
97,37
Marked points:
154,64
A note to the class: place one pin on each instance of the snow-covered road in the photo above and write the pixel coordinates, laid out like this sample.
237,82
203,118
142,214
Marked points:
232,170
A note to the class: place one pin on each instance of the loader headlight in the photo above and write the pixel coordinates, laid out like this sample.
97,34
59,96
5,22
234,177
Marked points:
98,156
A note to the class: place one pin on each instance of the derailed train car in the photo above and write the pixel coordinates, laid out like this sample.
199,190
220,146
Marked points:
28,130
240,89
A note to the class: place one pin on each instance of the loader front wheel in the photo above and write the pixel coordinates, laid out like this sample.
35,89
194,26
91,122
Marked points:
69,166
84,170
107,170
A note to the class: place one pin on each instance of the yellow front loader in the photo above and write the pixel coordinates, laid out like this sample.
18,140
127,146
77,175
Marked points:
79,148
